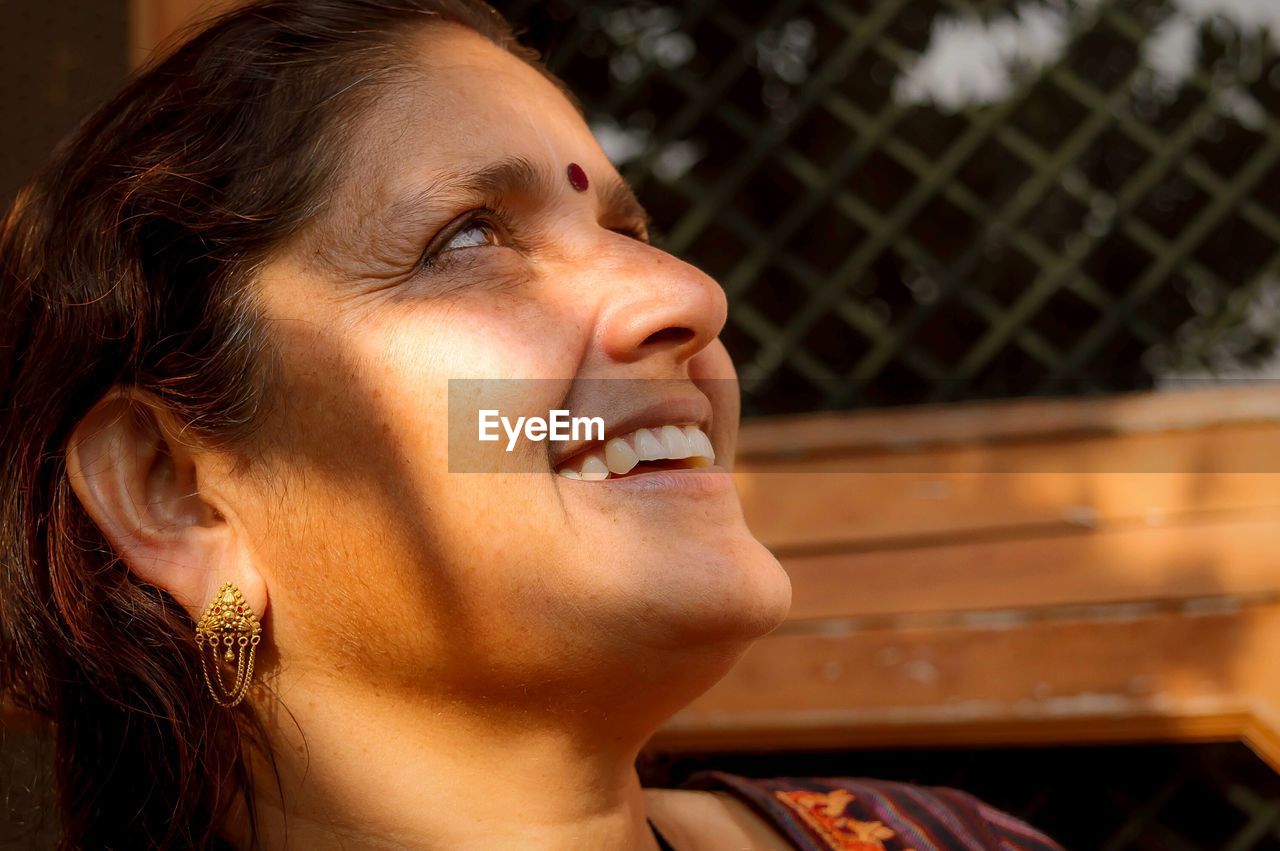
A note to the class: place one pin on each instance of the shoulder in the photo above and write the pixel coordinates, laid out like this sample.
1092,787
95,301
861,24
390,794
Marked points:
865,814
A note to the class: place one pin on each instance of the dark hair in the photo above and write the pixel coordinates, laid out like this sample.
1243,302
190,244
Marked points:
127,260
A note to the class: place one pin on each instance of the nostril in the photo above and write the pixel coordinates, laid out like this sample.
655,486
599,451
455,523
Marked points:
670,335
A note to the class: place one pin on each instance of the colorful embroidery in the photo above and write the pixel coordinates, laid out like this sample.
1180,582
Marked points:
824,812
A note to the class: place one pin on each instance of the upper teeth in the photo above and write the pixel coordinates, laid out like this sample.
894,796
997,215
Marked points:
621,454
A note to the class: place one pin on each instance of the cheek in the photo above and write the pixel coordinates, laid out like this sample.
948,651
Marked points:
713,362
713,372
485,335
437,371
364,413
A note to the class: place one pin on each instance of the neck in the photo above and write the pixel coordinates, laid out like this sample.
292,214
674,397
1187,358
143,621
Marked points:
376,770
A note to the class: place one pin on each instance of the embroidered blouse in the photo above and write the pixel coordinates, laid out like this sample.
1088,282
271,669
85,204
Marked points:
860,814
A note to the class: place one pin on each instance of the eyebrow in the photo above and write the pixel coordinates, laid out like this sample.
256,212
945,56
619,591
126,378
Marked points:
616,195
511,175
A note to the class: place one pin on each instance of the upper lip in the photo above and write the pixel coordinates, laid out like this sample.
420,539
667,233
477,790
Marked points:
694,409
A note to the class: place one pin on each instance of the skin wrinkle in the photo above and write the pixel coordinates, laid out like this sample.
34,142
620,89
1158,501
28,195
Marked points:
327,241
389,235
324,237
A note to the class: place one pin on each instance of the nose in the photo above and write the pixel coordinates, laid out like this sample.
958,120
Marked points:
658,306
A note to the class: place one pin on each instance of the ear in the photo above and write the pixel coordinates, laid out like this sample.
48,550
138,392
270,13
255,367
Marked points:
140,483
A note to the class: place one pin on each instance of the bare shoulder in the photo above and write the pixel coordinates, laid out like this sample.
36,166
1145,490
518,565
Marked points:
695,820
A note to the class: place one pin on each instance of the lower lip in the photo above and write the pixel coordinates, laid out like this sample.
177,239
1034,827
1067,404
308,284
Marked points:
692,481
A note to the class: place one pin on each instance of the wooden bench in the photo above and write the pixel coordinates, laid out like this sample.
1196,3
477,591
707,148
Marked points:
1033,571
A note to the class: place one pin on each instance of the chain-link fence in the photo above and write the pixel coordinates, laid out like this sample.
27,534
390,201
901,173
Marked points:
935,200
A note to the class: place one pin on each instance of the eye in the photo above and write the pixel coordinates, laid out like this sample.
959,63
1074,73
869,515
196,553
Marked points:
475,232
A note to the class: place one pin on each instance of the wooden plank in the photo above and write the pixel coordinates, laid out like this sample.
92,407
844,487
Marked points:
1233,555
14,719
819,512
1166,676
818,502
153,23
988,422
1214,448
826,501
1226,723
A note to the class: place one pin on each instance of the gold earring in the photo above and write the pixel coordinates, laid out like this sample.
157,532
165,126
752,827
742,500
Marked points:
228,622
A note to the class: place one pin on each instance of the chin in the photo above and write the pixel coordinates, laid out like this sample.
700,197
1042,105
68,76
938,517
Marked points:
730,595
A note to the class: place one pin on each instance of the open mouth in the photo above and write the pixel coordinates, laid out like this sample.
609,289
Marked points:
645,450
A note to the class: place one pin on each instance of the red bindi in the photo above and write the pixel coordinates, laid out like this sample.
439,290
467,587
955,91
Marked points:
578,177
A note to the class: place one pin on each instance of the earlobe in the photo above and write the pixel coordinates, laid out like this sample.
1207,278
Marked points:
140,483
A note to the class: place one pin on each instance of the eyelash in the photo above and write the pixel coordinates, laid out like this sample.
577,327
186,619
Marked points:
498,221
495,219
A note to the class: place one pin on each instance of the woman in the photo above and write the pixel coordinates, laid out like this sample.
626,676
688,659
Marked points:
267,589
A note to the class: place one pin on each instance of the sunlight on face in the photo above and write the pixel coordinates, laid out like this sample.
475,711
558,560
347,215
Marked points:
459,249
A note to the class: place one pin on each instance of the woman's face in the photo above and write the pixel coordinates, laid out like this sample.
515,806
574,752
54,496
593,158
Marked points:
382,564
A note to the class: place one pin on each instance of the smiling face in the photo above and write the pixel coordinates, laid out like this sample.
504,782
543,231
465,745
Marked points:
458,247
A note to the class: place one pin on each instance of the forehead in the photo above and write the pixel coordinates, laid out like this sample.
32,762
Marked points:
463,105
475,85
468,104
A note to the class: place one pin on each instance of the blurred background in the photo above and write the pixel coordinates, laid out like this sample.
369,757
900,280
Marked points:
1004,301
